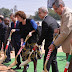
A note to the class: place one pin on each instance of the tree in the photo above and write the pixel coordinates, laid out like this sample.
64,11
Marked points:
5,12
36,17
53,14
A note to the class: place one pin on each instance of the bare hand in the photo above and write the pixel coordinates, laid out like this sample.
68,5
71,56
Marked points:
13,30
21,43
35,47
56,30
30,34
52,47
9,40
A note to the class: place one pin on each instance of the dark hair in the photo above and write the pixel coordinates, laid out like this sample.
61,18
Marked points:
58,2
1,18
21,14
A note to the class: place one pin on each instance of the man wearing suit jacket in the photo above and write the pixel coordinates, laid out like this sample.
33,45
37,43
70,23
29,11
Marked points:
48,26
2,31
65,29
7,22
15,38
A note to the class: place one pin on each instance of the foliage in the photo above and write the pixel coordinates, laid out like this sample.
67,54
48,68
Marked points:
51,13
5,12
36,17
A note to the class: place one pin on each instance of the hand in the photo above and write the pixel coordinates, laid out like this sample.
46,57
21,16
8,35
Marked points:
56,30
9,40
13,30
52,47
21,43
35,47
22,40
30,34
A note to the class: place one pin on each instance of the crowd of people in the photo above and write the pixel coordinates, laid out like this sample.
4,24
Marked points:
22,26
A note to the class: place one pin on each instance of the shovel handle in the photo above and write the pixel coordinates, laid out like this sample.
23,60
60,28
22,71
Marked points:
49,53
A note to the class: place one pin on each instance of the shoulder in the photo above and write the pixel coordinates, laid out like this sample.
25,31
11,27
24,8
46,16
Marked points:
49,20
28,19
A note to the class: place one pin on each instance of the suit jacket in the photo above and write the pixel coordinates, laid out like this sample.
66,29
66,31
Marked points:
7,33
15,36
48,26
2,31
65,30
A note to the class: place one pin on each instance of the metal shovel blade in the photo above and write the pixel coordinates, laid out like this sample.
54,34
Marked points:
1,61
11,65
25,62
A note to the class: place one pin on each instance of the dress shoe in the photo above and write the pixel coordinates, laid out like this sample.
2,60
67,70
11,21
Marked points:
17,68
6,61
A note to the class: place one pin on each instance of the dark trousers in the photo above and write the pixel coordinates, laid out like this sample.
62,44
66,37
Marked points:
52,61
8,53
16,45
0,45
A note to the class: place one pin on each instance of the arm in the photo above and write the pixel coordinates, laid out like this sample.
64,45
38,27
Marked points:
43,32
66,30
4,31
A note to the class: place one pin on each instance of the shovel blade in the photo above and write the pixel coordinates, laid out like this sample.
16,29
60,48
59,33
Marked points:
1,61
25,62
11,65
45,70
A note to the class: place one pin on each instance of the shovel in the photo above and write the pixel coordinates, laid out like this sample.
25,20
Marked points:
5,56
15,62
48,55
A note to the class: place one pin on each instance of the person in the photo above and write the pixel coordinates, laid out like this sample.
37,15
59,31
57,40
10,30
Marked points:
2,31
27,26
15,38
40,28
7,22
48,26
65,29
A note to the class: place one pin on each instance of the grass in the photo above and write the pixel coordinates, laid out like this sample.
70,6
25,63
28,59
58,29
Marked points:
61,59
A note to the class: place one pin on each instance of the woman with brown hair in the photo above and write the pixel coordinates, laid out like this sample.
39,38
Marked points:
26,26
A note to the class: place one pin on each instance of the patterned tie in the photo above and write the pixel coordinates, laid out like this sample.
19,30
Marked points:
15,25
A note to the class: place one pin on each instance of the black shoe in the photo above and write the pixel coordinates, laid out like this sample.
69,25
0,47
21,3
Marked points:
6,61
17,68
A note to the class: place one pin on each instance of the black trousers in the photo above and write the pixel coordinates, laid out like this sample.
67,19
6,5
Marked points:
16,45
0,45
52,61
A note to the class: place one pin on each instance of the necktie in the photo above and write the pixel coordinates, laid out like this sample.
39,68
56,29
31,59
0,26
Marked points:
15,25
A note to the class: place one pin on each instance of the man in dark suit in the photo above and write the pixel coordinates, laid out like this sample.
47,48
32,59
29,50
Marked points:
7,22
15,38
2,31
48,26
